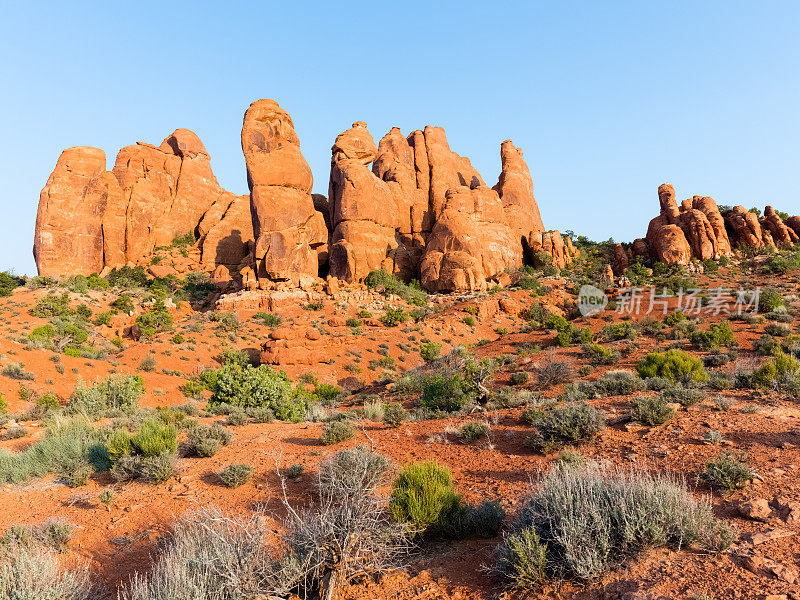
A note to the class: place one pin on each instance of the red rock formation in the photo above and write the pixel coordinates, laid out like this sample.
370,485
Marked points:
515,188
794,224
782,236
90,219
226,232
470,242
746,227
702,230
69,223
363,211
289,232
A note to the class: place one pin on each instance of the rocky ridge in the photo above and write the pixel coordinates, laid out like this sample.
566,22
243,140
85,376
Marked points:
408,205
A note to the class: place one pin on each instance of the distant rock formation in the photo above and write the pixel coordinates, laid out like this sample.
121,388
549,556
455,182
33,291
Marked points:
424,212
698,230
409,205
90,219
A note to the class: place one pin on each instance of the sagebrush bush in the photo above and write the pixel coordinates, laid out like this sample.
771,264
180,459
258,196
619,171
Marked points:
619,383
34,573
554,372
349,472
574,423
651,410
672,364
335,432
728,472
154,438
116,392
474,430
587,519
68,448
236,474
205,440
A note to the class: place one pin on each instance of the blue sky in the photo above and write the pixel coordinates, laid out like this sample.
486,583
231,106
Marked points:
607,99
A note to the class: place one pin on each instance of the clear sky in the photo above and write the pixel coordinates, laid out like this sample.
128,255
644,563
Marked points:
607,99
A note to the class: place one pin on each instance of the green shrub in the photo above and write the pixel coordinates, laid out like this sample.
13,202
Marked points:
123,303
394,414
728,472
599,355
268,319
769,300
686,395
155,320
674,318
519,378
327,393
587,519
205,441
127,277
672,364
423,495
235,475
411,293
719,334
619,383
783,370
154,438
116,392
335,432
651,410
52,305
574,423
17,371
474,430
447,392
394,316
66,450
9,282
522,559
430,351
261,386
623,330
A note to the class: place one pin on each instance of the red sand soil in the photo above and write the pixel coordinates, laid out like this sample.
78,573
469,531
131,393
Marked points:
120,540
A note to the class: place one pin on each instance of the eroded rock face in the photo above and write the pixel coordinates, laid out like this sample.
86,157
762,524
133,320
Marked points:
782,236
700,232
69,223
90,219
226,232
515,187
287,229
709,208
470,242
388,220
746,227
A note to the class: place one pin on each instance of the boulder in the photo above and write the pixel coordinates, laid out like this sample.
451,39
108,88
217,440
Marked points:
287,229
793,223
